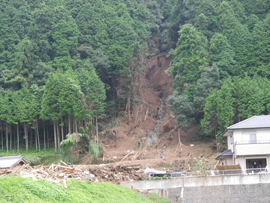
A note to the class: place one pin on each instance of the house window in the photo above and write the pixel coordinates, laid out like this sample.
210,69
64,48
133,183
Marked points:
252,138
256,165
223,162
248,137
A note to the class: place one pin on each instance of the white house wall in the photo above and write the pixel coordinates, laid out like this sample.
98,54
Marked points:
230,142
243,135
242,162
229,161
252,149
241,146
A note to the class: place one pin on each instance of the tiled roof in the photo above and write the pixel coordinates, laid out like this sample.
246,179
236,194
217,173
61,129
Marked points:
253,122
227,153
9,161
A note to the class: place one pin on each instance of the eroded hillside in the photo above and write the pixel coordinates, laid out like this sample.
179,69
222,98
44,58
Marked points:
151,138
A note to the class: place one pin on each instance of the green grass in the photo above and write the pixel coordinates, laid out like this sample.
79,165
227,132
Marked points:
33,152
17,189
35,157
158,199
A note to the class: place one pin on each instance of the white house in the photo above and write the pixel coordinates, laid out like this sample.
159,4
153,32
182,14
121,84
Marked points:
248,143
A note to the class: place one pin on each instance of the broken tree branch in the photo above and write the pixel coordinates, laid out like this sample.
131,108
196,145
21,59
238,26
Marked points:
146,114
126,156
167,121
179,141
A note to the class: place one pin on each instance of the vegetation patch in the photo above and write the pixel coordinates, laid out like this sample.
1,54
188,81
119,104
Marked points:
34,157
158,199
17,189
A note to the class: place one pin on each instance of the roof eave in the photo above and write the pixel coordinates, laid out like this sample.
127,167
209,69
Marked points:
225,156
246,128
226,133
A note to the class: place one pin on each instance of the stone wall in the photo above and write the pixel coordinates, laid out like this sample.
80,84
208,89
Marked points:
210,189
253,193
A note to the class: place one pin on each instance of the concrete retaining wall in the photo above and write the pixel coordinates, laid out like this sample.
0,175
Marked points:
229,189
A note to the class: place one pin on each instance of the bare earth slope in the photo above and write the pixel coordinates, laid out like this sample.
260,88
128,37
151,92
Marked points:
151,138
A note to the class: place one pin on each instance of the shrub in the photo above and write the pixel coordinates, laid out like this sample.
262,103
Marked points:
32,160
95,149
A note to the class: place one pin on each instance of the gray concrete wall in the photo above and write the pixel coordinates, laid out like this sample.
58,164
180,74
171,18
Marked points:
211,189
253,193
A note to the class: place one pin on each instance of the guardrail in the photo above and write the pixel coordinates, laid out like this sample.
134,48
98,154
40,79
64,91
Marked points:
250,171
178,174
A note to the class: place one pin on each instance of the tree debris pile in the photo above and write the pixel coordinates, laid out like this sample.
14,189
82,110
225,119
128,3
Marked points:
96,173
116,173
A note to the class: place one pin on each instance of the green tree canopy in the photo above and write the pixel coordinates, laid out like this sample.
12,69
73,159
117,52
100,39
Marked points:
222,55
190,55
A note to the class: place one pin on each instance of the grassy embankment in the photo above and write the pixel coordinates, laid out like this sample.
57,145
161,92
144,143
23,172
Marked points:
17,189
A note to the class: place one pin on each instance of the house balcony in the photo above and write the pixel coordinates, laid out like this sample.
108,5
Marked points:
252,148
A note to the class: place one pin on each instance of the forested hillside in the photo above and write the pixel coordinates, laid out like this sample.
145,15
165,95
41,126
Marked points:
221,66
66,65
71,66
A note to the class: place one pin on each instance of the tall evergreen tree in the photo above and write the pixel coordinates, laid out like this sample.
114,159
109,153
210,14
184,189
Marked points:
50,106
190,56
5,113
258,7
94,91
208,81
184,110
222,54
26,111
252,20
239,11
56,34
20,73
261,48
209,123
225,110
218,110
237,34
249,97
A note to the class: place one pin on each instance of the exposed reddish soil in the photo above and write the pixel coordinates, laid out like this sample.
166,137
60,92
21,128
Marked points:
155,88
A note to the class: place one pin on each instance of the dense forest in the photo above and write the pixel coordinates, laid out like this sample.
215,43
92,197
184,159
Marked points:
221,66
70,66
67,66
